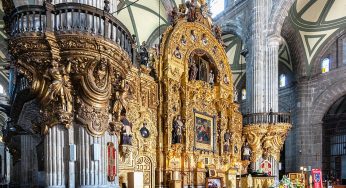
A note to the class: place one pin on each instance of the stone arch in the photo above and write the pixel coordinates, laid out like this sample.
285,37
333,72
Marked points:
326,99
279,13
234,28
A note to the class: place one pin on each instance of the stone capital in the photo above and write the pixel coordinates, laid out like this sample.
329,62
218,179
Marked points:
274,40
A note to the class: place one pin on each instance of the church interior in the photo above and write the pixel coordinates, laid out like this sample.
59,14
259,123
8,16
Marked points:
173,93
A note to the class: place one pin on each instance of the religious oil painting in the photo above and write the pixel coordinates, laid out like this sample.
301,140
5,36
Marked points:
204,131
214,182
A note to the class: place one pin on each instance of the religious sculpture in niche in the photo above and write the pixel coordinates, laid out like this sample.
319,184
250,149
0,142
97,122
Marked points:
214,49
227,140
144,55
193,70
225,79
60,87
204,39
246,151
177,130
201,67
211,78
177,53
193,36
183,40
126,133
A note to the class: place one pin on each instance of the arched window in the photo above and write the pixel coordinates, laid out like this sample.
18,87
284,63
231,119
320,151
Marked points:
216,7
1,89
243,94
325,65
282,82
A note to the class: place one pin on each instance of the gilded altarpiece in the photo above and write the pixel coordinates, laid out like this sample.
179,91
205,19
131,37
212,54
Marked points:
202,100
142,113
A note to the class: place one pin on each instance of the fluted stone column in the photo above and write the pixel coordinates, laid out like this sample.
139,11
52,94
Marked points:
262,68
93,163
54,145
272,77
28,161
255,77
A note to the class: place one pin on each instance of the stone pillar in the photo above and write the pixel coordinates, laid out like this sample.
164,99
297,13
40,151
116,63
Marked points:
255,66
272,78
262,65
262,69
92,159
29,171
54,145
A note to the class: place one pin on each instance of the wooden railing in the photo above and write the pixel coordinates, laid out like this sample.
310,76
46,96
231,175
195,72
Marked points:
270,118
71,18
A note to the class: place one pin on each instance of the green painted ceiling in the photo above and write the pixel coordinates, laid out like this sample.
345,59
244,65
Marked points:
143,17
316,21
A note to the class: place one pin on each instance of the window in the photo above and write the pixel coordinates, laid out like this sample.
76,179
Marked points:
216,7
243,94
325,65
282,82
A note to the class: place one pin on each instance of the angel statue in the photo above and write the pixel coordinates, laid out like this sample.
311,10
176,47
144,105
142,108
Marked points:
120,103
60,87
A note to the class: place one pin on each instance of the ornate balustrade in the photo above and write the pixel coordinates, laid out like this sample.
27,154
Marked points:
70,18
270,118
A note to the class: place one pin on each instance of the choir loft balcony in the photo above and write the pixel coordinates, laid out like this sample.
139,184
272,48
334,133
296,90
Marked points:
83,47
71,18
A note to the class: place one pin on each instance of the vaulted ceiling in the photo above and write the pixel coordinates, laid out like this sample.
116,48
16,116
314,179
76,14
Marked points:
314,22
143,18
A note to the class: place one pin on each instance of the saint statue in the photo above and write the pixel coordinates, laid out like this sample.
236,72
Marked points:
226,146
193,36
246,151
120,103
218,34
191,10
183,40
226,79
126,131
227,139
177,130
60,87
211,78
204,39
143,52
193,71
177,53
